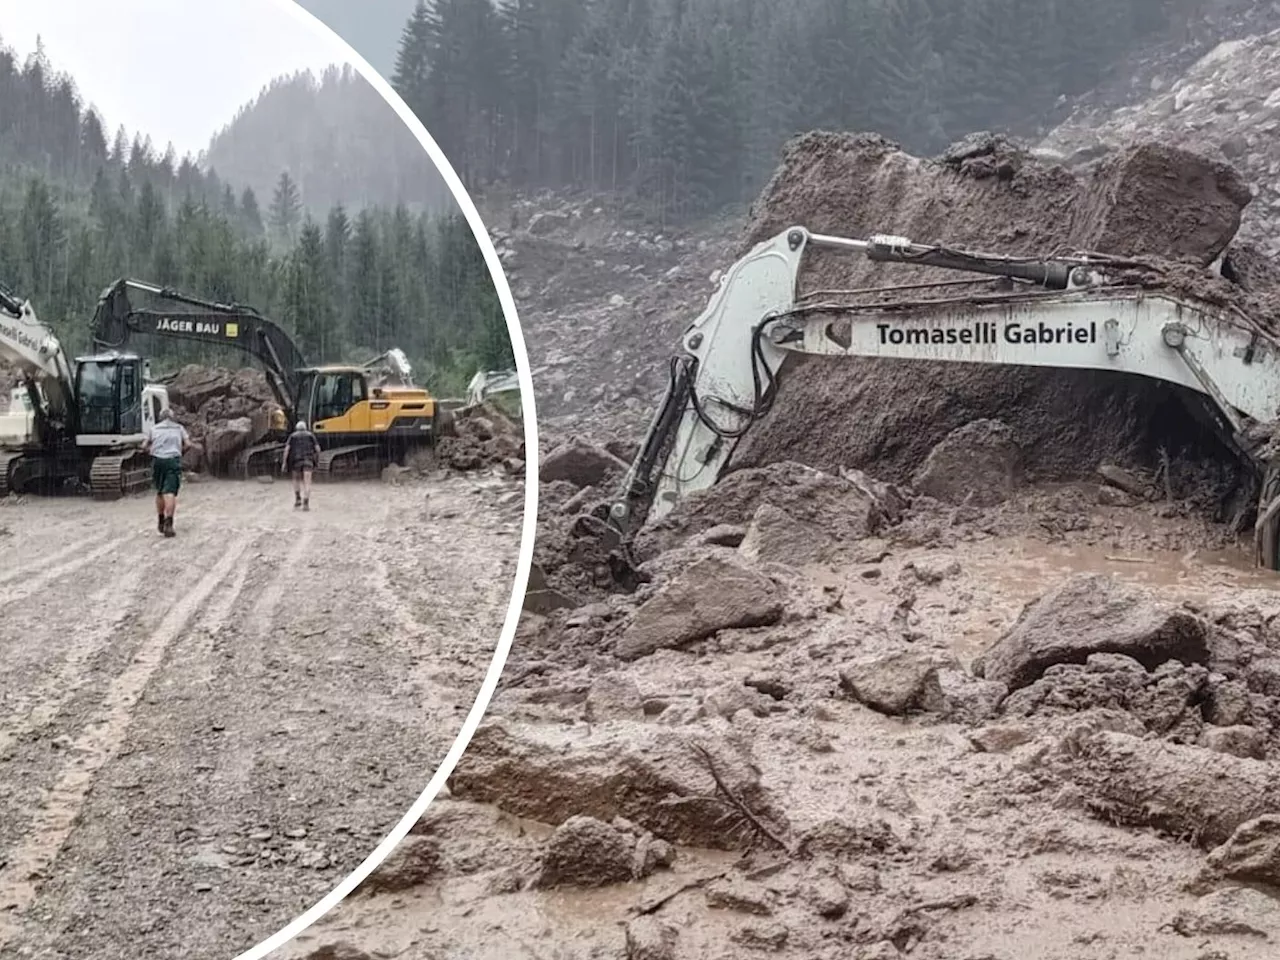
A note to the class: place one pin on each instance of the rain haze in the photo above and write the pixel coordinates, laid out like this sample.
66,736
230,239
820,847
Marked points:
174,70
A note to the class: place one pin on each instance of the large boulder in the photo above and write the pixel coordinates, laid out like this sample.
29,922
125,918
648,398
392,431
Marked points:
979,464
711,595
1094,613
895,684
580,463
635,773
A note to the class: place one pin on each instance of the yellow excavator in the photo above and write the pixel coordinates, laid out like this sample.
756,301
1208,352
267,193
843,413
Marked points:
364,415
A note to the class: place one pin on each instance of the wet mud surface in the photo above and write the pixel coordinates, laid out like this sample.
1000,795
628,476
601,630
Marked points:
199,737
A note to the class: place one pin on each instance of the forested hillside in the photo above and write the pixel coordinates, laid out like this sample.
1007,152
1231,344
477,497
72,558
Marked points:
77,213
338,140
687,102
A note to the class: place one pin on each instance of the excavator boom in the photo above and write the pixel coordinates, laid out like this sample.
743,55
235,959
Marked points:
1070,312
169,313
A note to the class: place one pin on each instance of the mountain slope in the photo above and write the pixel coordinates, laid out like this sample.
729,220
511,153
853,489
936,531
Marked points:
338,140
1223,103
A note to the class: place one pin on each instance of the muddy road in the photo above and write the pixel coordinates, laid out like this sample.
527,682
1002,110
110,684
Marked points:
199,737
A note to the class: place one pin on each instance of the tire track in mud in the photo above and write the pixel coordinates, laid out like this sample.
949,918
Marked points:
39,581
238,766
262,617
96,746
54,558
39,706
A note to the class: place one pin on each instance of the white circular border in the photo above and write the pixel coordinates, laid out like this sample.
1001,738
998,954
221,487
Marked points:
401,829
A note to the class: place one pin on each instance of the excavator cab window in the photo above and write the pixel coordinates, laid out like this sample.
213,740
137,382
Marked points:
130,398
97,391
336,393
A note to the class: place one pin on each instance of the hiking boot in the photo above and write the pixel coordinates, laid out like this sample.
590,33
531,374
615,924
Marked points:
160,523
168,527
306,504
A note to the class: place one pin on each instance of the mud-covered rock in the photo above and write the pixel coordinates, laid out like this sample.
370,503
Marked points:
774,536
1001,737
636,773
1250,855
1237,911
1156,198
1166,700
1185,790
1094,613
1238,741
585,852
970,699
649,938
580,463
761,935
711,595
979,464
847,838
1227,704
614,695
415,861
895,683
221,443
828,897
740,896
843,510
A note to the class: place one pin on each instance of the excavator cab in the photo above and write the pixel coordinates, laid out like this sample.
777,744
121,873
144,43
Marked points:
327,395
115,405
352,405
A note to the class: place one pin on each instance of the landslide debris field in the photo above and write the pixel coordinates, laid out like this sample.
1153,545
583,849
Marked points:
955,664
200,737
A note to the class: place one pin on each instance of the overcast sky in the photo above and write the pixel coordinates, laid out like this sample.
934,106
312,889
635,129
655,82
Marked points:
175,69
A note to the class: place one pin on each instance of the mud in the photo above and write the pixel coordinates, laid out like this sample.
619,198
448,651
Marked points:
908,803
201,736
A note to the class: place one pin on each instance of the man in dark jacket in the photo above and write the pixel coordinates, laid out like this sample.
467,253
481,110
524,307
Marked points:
301,451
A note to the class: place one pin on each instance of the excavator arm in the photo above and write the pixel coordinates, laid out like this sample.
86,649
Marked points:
1071,312
166,312
28,344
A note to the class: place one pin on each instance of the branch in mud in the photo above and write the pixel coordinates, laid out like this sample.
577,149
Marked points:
654,906
739,818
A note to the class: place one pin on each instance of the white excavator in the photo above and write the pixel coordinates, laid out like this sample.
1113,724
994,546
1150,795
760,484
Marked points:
490,383
1084,312
83,420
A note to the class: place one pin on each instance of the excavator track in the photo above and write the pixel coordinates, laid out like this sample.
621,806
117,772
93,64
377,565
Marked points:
8,462
356,462
114,476
258,460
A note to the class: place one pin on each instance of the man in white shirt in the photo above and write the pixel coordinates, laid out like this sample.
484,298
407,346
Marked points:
167,443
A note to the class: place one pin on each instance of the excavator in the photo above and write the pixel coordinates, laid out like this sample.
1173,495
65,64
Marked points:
1089,312
365,415
83,420
490,383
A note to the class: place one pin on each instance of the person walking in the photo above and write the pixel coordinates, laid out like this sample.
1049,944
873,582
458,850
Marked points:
301,451
168,442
